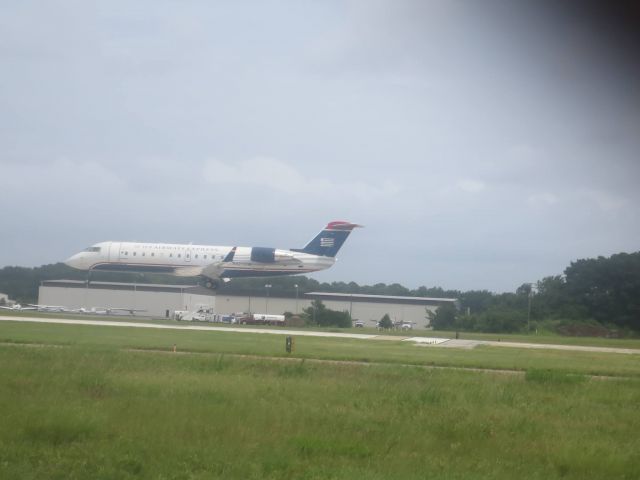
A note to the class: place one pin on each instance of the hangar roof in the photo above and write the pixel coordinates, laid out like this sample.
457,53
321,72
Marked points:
140,287
358,297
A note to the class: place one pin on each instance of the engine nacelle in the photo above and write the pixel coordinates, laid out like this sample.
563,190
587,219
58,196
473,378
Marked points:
263,255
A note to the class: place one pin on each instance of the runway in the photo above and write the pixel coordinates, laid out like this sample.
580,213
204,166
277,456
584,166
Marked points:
420,341
470,344
206,328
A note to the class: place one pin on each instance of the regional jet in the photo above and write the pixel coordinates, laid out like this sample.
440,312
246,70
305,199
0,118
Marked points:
49,308
106,310
17,308
215,263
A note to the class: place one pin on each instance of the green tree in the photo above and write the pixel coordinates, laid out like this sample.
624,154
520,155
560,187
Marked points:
322,316
385,322
524,289
444,318
608,288
500,319
476,301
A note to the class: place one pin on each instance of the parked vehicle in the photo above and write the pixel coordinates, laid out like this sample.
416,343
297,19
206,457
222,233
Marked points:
202,313
261,319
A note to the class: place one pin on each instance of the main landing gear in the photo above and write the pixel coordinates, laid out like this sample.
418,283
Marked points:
211,284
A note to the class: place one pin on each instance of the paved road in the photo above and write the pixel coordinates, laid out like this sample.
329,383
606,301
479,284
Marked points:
422,341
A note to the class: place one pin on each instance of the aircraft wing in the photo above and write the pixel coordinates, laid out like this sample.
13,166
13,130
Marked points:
18,308
214,270
131,311
51,308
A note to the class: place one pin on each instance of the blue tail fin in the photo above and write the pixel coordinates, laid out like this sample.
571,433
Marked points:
329,240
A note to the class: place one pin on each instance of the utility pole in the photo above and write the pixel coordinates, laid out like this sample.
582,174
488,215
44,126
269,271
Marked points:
529,308
267,287
350,307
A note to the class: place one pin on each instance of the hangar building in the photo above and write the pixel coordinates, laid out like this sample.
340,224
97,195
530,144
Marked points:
163,300
155,299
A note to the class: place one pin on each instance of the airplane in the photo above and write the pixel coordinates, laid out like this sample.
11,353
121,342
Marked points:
215,263
89,311
106,310
403,325
130,311
17,308
397,325
49,308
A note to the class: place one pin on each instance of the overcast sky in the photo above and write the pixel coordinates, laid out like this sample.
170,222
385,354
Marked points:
482,144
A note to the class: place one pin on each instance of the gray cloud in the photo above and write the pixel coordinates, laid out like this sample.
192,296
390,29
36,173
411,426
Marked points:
483,145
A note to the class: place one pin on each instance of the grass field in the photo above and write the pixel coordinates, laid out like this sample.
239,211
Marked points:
322,348
77,402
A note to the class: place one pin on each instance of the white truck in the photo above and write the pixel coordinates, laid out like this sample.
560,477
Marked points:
261,319
202,313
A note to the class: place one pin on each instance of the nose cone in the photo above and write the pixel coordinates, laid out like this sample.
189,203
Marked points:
77,261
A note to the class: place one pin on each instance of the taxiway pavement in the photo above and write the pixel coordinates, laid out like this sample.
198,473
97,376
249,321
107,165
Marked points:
421,341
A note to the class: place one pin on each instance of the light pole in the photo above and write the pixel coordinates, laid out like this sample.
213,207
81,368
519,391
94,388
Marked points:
529,308
351,307
313,304
266,300
296,287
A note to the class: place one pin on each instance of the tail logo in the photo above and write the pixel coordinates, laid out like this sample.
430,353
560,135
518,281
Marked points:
329,240
326,242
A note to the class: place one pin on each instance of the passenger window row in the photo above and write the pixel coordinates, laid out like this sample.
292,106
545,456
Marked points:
152,254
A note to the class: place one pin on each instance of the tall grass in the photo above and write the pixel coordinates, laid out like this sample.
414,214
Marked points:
86,413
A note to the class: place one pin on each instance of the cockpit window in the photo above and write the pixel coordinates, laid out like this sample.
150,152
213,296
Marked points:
92,249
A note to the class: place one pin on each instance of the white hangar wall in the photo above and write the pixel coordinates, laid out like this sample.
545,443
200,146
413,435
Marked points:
369,308
259,304
157,299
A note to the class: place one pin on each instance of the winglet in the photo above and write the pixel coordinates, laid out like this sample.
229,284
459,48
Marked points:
230,255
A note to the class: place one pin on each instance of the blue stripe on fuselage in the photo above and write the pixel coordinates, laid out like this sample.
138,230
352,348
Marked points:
127,267
229,273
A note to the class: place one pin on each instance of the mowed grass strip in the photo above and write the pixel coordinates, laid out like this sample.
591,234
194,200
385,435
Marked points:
588,363
81,412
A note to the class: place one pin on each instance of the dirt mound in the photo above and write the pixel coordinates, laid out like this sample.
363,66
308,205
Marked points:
585,330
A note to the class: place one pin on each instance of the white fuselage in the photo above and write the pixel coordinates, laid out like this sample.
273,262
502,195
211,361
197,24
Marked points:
192,260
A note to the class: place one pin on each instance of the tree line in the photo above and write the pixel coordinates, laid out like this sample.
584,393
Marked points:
601,292
593,295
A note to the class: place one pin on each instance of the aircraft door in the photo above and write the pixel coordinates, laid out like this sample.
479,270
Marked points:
114,251
187,255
